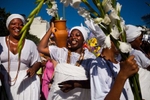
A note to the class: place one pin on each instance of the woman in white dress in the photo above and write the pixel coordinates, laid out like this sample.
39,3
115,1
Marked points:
21,81
134,37
69,63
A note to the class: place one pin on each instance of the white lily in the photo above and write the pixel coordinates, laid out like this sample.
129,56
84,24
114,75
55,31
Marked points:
107,5
65,2
51,12
118,7
54,10
125,47
107,42
99,20
106,19
84,13
122,24
114,14
75,3
114,32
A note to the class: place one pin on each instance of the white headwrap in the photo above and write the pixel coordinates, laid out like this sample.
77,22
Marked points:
83,30
132,32
13,16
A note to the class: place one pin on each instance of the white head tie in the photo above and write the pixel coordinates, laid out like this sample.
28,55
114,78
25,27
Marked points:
132,32
83,30
13,16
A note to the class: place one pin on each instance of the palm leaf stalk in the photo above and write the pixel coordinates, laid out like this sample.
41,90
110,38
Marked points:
26,27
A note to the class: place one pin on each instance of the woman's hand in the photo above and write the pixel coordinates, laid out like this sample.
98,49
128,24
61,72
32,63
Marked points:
66,86
69,85
128,67
31,72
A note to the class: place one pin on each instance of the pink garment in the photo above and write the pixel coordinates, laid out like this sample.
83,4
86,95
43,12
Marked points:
46,78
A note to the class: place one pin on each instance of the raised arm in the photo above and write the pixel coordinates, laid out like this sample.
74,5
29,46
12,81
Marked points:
43,45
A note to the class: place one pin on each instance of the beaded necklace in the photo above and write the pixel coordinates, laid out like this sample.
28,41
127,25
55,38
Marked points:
79,61
9,78
11,41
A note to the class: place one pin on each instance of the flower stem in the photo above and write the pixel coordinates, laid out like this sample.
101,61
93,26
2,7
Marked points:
133,80
91,9
135,86
26,27
99,6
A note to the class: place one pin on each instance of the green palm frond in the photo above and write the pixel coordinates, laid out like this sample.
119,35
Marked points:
26,27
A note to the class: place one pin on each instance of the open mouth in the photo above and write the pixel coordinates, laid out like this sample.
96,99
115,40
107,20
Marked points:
17,30
74,42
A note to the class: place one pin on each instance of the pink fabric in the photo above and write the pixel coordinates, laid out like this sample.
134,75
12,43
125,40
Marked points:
47,76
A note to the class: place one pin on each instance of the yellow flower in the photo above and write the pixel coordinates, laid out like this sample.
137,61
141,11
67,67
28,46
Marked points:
93,42
94,46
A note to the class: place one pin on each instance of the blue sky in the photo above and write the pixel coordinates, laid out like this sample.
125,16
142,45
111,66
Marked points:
132,10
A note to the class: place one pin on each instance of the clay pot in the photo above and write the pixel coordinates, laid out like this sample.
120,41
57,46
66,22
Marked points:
60,33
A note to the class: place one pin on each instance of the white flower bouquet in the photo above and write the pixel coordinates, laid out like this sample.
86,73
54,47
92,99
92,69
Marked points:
103,18
52,9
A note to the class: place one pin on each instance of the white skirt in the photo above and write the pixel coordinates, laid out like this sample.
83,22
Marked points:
25,88
64,72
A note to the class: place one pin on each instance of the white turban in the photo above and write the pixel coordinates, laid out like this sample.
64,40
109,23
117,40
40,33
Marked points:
13,16
83,30
132,32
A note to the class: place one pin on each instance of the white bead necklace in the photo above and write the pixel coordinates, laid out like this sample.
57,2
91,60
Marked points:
11,41
9,77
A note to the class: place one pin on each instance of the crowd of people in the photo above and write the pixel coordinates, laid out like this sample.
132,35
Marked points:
48,72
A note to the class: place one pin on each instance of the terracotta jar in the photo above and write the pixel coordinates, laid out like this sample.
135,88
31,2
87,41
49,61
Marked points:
60,33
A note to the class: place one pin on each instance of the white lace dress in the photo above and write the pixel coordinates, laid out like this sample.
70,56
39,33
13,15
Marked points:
24,88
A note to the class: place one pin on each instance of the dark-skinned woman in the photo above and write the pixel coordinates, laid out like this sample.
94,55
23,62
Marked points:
21,81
